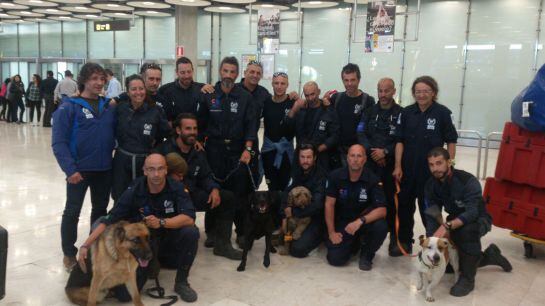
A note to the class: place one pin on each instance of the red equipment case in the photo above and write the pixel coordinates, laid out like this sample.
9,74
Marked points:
517,207
522,156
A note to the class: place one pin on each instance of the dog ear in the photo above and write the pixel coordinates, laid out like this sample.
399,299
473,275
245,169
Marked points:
120,232
422,238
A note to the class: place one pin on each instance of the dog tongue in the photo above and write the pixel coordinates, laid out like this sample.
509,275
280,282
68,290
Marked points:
143,263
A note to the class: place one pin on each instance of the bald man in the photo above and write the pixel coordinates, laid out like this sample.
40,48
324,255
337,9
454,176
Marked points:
354,211
376,131
166,208
315,124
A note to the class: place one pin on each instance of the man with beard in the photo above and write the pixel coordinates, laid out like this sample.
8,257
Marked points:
308,174
204,191
354,211
183,93
376,132
315,124
460,194
229,126
349,105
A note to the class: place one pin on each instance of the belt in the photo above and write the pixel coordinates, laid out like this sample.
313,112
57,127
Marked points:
133,157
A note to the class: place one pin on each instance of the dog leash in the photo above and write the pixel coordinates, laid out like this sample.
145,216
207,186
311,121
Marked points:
233,172
161,294
396,201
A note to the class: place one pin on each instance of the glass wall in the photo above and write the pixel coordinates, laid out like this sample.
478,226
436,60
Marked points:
479,72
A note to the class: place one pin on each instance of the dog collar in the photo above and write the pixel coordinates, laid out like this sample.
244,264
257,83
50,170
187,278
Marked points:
422,261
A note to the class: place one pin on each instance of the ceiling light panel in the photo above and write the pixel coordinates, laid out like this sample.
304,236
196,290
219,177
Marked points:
188,2
154,5
38,3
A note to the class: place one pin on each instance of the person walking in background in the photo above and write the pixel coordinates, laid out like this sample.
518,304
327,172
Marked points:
34,98
16,92
4,99
47,87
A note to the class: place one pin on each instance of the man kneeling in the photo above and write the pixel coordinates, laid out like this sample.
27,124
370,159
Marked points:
167,210
355,208
460,194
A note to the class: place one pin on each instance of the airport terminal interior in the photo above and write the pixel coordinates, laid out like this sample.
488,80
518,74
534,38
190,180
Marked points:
482,53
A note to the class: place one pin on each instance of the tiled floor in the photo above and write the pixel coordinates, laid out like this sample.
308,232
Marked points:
32,194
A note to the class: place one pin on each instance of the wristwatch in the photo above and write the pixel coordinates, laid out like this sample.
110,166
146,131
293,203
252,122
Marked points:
249,149
162,222
363,220
448,225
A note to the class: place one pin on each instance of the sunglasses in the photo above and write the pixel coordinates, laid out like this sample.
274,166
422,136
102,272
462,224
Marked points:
254,62
280,74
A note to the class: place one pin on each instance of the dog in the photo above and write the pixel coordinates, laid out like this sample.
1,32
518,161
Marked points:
294,227
115,256
259,223
432,262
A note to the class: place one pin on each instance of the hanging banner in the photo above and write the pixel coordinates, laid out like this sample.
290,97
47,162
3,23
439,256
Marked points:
267,62
380,26
268,31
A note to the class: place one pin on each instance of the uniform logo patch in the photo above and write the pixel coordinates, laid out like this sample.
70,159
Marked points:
196,170
169,206
234,107
431,123
357,109
361,127
147,129
343,193
87,113
363,195
322,125
392,129
215,104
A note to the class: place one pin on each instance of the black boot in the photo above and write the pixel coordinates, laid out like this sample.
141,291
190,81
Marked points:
210,241
392,246
468,269
492,257
396,251
222,246
187,294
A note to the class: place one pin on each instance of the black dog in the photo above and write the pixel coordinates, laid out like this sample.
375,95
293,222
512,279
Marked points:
259,223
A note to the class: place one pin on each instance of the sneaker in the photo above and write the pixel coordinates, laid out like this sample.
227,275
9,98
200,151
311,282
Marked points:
187,294
69,263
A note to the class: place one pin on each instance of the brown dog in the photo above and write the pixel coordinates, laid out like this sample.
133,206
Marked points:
294,227
115,256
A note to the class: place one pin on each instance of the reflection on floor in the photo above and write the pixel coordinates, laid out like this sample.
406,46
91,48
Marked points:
32,193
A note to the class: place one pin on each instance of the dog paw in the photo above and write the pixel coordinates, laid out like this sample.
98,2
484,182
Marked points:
430,299
273,250
266,262
296,236
241,268
419,286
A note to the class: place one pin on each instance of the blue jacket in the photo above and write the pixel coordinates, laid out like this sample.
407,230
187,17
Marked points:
83,140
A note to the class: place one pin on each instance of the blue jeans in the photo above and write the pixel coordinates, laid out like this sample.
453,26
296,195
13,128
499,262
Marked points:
100,183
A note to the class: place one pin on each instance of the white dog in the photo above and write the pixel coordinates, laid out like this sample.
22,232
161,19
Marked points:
432,262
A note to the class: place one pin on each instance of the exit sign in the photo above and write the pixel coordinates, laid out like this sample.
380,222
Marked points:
113,25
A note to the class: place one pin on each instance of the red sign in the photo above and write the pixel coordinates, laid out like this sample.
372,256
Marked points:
180,50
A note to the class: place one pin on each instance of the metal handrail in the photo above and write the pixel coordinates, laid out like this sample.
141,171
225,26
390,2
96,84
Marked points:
480,145
487,147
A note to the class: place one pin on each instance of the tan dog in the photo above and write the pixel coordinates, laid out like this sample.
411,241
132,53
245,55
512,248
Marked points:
294,227
115,256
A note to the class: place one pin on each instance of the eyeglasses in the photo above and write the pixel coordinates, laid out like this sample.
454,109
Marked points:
280,74
254,62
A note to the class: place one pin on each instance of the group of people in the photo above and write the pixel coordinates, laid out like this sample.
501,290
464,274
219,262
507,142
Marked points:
185,147
14,97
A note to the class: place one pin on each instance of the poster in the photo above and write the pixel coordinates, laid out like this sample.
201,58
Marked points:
268,31
267,62
380,26
245,59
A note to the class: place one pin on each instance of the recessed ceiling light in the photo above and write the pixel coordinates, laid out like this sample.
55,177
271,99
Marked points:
316,4
188,2
112,5
224,9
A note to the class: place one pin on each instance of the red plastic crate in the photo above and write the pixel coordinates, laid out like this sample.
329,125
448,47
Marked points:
521,162
513,132
508,204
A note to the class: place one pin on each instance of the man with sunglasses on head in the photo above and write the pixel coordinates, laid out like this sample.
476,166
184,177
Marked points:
277,150
229,126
